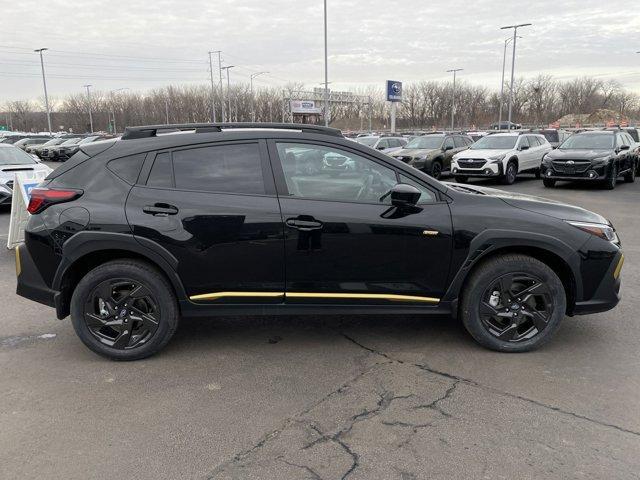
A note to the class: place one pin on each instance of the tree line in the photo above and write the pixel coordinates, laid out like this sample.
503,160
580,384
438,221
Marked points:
426,105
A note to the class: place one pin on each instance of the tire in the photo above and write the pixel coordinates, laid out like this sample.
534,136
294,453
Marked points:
436,169
630,176
476,319
549,182
610,183
510,173
462,179
155,320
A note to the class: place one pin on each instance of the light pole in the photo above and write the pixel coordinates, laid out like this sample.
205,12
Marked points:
453,93
213,93
228,68
113,110
326,71
220,84
89,104
504,60
252,76
513,64
44,82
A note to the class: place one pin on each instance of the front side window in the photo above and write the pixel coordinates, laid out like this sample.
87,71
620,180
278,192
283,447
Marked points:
459,141
427,195
327,173
221,168
448,142
524,142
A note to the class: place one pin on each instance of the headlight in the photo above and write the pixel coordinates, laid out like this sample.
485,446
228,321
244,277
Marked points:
497,158
605,232
601,159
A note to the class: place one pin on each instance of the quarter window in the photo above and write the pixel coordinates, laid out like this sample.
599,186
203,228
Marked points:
326,173
222,168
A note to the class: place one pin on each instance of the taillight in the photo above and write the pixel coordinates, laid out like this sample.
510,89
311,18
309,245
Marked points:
42,198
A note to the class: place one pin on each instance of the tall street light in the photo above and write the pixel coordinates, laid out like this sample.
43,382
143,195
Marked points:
44,82
453,93
213,93
252,76
504,61
326,71
228,69
113,110
513,63
89,104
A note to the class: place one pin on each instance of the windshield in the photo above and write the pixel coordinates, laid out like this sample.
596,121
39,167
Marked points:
590,141
368,141
53,141
495,142
88,140
425,142
15,156
71,141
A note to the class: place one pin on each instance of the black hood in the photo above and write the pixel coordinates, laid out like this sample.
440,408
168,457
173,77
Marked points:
544,206
569,154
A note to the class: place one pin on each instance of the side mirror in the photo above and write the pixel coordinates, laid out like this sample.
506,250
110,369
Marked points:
448,147
624,147
404,195
524,147
380,147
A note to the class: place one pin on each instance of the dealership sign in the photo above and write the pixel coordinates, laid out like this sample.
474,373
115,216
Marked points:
394,91
304,106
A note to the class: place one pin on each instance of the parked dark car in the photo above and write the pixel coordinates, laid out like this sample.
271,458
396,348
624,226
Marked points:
554,136
130,235
23,143
65,151
432,153
591,156
50,152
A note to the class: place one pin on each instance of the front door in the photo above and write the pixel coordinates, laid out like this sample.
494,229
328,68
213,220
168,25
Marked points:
214,209
344,242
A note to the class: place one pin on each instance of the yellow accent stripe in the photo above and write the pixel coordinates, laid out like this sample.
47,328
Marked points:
18,264
358,296
616,272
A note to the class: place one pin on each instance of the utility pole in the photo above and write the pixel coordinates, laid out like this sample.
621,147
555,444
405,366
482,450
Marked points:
504,61
166,110
513,64
327,113
44,82
213,92
254,75
113,110
228,68
453,94
220,84
89,104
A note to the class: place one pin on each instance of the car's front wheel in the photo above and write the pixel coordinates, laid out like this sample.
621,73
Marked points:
513,303
610,183
549,182
124,310
510,173
436,169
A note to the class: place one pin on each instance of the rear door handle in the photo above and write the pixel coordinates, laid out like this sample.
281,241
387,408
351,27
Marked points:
160,209
303,225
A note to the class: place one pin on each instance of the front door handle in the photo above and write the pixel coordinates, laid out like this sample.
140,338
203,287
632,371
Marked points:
304,224
160,209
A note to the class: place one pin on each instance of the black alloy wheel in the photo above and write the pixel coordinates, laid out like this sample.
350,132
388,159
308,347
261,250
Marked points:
510,173
516,307
610,183
122,313
436,169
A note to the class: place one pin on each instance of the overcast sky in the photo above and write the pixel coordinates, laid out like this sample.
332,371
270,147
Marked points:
141,44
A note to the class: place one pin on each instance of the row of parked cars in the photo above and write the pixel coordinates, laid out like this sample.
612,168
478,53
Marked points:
58,148
598,155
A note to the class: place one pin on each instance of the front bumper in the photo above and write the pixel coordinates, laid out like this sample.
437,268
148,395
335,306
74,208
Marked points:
607,294
488,170
591,173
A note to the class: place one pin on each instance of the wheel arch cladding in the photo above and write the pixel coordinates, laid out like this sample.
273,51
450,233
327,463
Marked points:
563,260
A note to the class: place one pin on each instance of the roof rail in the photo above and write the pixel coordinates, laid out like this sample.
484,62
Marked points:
148,131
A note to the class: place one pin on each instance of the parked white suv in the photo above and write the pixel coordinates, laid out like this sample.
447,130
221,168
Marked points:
501,155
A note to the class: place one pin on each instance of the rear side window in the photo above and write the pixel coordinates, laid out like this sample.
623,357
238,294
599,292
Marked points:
224,168
161,173
127,168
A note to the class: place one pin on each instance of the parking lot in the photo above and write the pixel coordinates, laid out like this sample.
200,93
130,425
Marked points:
329,397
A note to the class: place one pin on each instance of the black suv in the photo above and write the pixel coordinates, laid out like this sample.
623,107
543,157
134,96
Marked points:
432,153
592,156
129,235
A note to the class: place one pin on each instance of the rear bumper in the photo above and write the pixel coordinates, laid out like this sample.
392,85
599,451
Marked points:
607,295
30,282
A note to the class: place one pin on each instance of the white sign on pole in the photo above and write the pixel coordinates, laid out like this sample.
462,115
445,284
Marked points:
23,183
304,106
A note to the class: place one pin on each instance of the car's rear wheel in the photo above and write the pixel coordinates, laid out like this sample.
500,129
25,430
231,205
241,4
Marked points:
124,310
462,179
549,182
513,303
436,169
510,173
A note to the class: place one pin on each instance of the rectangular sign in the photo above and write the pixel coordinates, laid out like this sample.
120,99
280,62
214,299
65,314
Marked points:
394,91
304,106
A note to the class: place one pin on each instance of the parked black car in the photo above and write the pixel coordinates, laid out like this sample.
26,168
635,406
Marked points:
432,152
592,156
130,235
23,143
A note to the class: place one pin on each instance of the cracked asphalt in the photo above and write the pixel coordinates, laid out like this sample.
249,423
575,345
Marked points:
329,397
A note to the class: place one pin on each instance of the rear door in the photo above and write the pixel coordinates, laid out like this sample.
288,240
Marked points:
345,243
215,210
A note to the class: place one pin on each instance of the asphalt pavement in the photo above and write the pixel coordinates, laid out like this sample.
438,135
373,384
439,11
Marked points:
336,397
